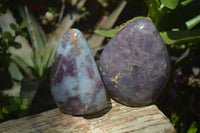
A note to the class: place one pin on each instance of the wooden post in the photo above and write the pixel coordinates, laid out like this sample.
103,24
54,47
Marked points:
116,118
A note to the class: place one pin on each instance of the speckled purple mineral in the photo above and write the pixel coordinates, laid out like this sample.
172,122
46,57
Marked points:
135,64
76,84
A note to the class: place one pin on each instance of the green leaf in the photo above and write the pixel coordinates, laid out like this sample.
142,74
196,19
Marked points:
155,10
23,65
17,100
8,36
38,40
176,19
48,55
179,37
14,71
107,33
13,26
186,2
23,107
193,128
23,24
113,32
5,110
170,3
22,33
25,101
83,9
174,118
52,9
172,37
193,22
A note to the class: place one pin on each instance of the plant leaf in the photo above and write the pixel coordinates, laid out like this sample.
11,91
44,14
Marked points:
48,55
23,24
17,100
25,53
186,2
170,3
23,107
13,26
25,101
174,118
193,22
193,128
113,32
179,37
173,37
23,65
5,110
38,39
14,71
8,36
107,33
22,33
155,11
23,56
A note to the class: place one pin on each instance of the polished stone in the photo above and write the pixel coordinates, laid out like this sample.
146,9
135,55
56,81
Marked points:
135,64
76,84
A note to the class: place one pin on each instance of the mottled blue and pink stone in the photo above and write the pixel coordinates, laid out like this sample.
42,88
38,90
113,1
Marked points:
135,64
76,84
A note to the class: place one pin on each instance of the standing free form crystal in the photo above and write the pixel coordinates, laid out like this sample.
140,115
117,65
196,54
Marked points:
76,84
135,64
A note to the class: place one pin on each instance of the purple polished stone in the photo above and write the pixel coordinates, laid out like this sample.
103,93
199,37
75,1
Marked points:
135,64
76,84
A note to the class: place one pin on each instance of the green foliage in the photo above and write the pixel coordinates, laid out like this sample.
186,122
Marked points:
37,59
108,33
181,37
41,53
113,32
2,6
83,9
170,3
171,37
52,9
193,128
12,106
193,22
8,40
155,10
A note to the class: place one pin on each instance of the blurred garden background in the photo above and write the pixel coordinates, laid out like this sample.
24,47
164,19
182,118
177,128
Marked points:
30,31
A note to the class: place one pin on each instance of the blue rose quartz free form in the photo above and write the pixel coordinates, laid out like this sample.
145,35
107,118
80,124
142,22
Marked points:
76,84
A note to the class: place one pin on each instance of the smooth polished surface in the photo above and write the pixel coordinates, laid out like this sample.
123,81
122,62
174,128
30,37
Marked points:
135,64
76,84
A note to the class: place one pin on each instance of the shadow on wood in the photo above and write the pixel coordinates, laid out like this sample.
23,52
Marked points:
100,113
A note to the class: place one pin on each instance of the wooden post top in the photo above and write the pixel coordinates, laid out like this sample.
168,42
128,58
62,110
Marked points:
116,118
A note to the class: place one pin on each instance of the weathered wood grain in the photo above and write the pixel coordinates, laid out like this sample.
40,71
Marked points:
116,118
